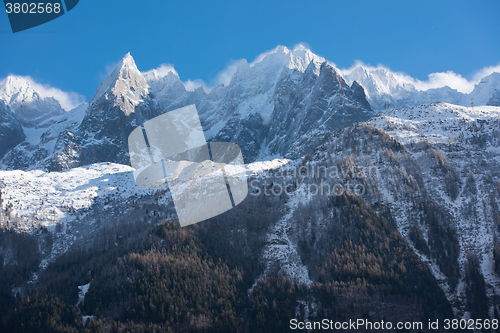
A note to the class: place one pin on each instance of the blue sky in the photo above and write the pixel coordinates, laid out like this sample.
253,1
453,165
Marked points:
200,38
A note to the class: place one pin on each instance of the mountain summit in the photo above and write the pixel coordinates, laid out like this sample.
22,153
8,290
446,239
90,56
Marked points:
125,86
27,104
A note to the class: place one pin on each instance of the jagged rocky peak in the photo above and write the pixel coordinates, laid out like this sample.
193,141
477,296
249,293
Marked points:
16,89
261,75
283,104
125,86
329,76
27,104
331,80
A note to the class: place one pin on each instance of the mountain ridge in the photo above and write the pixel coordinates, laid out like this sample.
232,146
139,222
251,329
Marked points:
389,90
248,111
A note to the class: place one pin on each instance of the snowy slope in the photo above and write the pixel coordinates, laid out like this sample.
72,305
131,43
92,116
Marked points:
54,197
281,249
46,147
38,198
437,122
409,148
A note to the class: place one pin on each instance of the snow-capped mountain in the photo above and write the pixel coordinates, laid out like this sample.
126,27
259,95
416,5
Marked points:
280,105
36,121
119,105
382,87
414,150
27,105
125,87
389,90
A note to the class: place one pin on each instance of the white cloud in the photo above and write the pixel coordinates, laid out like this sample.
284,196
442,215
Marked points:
164,69
193,85
301,46
223,77
449,78
68,100
357,63
399,76
485,72
454,80
161,71
261,56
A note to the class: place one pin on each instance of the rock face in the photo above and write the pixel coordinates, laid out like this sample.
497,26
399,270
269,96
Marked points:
280,106
11,131
285,116
112,114
123,102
